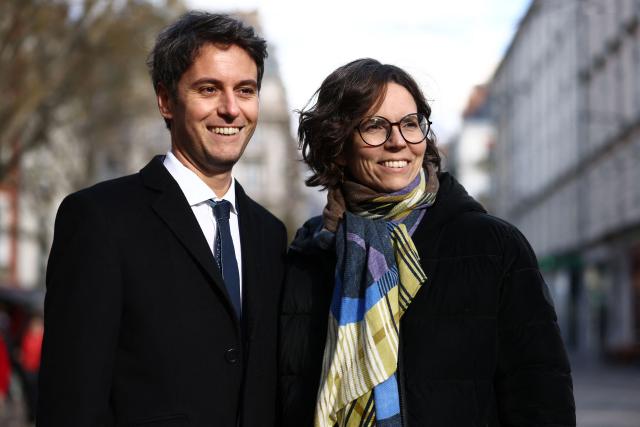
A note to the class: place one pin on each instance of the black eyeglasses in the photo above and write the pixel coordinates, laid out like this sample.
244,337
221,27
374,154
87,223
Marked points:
376,130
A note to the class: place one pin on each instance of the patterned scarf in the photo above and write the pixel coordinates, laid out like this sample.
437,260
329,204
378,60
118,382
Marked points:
377,275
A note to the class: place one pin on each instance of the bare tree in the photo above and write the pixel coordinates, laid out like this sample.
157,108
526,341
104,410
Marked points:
73,79
76,63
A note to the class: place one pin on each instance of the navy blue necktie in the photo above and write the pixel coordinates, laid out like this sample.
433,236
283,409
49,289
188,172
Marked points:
225,254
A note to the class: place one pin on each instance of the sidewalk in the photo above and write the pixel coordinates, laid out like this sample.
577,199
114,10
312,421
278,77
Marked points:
606,395
12,412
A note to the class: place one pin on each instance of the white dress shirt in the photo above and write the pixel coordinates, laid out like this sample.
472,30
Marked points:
198,195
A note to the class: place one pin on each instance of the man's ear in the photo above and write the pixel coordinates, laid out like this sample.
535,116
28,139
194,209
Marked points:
165,102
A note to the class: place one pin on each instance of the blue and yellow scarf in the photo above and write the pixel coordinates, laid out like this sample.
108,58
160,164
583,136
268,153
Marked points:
377,275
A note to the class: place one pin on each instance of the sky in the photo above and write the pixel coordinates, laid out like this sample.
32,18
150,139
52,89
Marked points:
448,46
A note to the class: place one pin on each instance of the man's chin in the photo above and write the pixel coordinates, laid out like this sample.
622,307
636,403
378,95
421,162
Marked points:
221,165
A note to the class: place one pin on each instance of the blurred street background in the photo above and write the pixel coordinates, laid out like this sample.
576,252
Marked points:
606,395
536,104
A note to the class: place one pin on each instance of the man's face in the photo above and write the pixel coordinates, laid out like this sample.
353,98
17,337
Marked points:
215,110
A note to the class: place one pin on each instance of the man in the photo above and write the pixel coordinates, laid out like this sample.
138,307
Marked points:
162,286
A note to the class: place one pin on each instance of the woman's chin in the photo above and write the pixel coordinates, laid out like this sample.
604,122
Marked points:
392,182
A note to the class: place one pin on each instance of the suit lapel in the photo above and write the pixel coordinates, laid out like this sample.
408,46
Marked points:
251,239
172,207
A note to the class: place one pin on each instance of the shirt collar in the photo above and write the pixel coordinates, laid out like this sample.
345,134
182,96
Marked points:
194,189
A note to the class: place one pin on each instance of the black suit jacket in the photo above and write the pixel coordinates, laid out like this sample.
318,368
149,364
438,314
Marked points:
139,329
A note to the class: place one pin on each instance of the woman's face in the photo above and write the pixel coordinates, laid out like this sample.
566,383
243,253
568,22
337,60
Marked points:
393,165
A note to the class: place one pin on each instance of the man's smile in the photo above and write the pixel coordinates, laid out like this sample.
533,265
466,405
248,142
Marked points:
226,130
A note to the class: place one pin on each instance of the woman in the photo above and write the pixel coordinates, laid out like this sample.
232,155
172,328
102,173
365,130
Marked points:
406,304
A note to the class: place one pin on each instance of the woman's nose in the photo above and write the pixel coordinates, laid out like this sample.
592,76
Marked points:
395,139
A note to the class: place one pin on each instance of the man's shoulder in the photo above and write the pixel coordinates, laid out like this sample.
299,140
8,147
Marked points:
260,213
113,190
113,201
126,189
263,213
120,196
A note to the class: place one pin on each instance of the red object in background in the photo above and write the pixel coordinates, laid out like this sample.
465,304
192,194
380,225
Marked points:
31,346
5,369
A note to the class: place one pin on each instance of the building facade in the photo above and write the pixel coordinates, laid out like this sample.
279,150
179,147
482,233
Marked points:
566,106
469,154
269,169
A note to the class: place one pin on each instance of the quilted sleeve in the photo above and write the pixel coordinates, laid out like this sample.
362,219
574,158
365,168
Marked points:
533,383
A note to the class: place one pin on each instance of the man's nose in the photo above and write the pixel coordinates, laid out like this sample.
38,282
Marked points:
228,106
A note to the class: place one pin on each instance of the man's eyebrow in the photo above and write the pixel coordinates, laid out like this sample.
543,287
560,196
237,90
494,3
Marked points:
206,80
248,82
211,80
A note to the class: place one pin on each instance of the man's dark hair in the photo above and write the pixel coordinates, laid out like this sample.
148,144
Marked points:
178,45
344,98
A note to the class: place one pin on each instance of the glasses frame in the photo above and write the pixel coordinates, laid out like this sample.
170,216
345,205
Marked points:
391,125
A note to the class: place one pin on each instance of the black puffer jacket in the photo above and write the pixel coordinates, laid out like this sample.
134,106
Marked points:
479,343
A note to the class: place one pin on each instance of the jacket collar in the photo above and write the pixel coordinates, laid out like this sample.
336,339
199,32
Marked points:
253,257
172,207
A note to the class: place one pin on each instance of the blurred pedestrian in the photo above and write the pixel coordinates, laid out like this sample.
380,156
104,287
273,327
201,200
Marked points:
162,287
30,352
5,357
405,303
5,372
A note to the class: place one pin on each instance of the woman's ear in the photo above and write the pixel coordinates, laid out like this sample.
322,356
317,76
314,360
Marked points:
341,159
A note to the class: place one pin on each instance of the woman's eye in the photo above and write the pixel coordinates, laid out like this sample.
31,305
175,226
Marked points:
410,125
372,126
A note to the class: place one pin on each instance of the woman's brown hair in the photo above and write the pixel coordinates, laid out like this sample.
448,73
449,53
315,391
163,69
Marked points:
344,98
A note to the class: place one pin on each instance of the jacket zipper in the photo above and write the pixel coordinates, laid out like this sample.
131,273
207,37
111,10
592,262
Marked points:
401,385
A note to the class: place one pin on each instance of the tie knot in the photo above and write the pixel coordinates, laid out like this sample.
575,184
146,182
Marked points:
221,209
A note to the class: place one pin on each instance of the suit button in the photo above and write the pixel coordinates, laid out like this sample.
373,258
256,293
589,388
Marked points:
232,355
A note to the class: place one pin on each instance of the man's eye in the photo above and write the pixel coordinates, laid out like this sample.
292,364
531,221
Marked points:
247,91
207,90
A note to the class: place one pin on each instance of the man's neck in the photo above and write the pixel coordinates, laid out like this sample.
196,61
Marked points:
219,182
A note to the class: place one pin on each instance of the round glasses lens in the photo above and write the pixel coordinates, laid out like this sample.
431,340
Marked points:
414,127
374,130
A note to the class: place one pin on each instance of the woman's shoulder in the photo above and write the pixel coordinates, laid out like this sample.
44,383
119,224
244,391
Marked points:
476,233
480,223
312,239
312,247
506,238
309,271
